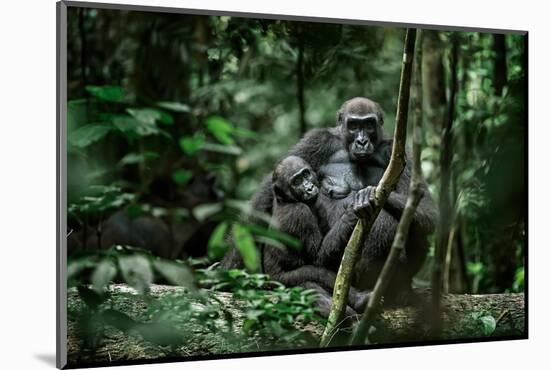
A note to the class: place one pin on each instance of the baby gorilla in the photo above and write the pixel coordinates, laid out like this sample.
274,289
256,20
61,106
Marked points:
296,203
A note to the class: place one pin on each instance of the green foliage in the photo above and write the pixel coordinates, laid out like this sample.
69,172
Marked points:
101,199
217,245
174,273
88,134
149,116
134,128
134,266
136,271
477,271
174,106
483,322
113,94
270,311
103,274
221,129
181,176
244,242
191,144
519,280
180,120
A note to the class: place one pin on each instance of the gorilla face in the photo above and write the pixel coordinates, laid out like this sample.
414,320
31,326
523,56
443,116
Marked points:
294,181
303,185
361,122
361,135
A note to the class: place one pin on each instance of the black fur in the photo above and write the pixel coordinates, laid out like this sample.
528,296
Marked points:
293,216
328,151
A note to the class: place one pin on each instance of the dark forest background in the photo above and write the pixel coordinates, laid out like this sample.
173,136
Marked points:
173,120
180,111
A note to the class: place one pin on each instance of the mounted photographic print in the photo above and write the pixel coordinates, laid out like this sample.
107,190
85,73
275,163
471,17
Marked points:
235,185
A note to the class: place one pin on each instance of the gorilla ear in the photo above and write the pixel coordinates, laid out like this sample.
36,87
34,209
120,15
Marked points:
379,114
278,193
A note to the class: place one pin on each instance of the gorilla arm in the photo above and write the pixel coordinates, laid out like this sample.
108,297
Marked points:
292,268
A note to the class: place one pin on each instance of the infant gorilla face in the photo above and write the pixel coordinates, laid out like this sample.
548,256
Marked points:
295,181
302,185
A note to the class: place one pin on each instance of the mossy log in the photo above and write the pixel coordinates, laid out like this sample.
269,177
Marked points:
462,314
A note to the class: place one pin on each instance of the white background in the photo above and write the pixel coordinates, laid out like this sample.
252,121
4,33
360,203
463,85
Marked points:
27,181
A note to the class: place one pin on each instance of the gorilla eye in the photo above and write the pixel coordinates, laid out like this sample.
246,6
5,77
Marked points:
353,125
372,122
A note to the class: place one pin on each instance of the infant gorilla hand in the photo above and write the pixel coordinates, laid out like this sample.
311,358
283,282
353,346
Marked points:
365,202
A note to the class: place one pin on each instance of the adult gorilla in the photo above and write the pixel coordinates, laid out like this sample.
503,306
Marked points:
350,159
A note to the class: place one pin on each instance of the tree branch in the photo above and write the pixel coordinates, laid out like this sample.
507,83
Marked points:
415,194
384,188
445,202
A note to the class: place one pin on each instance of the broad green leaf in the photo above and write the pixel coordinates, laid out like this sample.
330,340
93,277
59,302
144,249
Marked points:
271,242
275,235
241,132
77,113
107,93
174,106
223,149
175,273
216,244
246,209
88,134
181,176
191,144
519,279
136,271
150,116
134,158
103,274
117,319
166,118
489,324
246,246
221,129
132,127
203,211
161,333
75,267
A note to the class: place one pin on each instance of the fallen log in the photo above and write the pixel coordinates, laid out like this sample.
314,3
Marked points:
464,316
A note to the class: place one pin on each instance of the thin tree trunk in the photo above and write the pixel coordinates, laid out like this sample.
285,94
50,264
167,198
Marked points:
445,206
385,186
449,260
415,194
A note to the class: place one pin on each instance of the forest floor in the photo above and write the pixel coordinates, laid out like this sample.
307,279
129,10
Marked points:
465,317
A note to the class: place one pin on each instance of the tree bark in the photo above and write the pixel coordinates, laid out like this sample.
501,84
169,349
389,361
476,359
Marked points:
445,202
